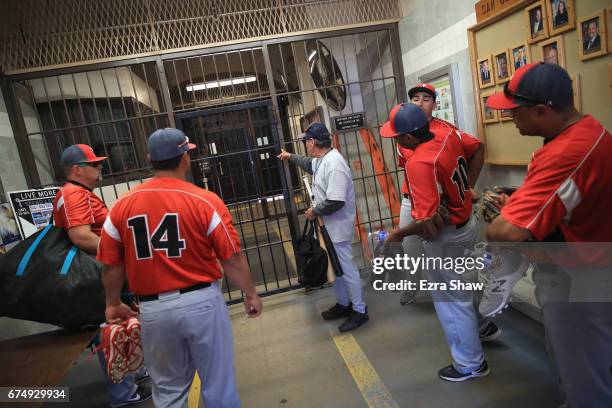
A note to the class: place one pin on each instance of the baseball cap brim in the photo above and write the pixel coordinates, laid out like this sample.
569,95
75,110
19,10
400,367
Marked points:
95,159
191,146
501,101
387,130
417,89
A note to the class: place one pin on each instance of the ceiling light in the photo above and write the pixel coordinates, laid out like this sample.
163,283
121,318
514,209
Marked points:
218,84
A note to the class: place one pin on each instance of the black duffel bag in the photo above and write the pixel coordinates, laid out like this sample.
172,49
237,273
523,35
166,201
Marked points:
47,279
311,259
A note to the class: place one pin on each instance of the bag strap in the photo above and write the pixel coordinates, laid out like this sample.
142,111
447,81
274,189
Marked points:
28,255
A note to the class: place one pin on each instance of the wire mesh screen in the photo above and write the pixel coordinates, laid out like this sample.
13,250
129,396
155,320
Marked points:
38,33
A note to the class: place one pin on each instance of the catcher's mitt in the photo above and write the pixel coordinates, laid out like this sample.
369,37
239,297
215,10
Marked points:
492,200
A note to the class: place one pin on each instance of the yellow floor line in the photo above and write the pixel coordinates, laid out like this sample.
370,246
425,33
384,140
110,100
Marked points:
193,401
371,386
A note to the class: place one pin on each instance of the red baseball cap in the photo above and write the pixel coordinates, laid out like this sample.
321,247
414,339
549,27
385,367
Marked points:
535,84
429,89
79,153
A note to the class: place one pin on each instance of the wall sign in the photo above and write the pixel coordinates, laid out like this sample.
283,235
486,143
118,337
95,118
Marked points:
32,208
350,122
488,8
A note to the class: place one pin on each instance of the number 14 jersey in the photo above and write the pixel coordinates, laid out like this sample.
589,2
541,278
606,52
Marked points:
168,233
437,175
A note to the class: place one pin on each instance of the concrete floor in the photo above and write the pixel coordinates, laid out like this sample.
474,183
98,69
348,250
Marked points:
288,358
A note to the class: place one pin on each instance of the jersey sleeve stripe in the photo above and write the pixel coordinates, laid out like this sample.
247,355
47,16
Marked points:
570,196
60,202
66,212
111,230
214,222
558,191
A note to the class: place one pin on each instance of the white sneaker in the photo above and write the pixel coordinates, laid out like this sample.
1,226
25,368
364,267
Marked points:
504,271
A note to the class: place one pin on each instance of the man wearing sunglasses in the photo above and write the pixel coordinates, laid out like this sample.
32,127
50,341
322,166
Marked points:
566,193
82,213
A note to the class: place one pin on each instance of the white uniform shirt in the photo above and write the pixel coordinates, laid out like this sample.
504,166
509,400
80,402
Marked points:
332,180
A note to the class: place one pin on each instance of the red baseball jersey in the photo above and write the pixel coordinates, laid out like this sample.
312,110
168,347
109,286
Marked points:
568,185
169,234
438,127
77,205
437,174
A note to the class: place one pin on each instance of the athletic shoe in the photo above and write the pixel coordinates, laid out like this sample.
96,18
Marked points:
113,341
408,297
337,311
489,333
449,373
354,320
135,356
142,394
504,271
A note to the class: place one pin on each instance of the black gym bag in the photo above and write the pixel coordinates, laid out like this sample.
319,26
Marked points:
311,259
47,279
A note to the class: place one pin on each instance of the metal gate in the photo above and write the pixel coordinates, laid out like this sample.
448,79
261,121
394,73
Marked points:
241,104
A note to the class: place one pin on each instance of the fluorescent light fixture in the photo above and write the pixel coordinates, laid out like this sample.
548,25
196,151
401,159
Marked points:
218,84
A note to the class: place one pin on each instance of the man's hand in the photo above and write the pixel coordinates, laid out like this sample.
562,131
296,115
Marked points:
119,313
253,305
284,155
309,213
429,228
394,236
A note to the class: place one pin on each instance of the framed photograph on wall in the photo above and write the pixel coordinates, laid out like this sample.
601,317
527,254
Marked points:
592,36
488,115
520,55
561,16
505,115
501,63
553,51
485,72
577,93
536,20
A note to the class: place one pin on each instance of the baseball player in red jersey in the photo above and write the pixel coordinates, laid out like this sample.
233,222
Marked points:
167,235
81,213
424,96
568,189
437,176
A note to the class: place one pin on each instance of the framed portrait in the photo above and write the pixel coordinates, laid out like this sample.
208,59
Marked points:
577,93
488,115
553,51
501,63
561,16
536,20
592,36
520,55
485,72
505,115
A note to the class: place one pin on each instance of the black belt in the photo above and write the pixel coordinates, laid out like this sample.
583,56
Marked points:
406,195
148,298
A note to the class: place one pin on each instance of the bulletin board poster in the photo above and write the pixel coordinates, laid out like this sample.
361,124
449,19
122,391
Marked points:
32,208
444,99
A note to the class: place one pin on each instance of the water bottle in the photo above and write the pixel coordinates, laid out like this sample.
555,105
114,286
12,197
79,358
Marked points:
378,241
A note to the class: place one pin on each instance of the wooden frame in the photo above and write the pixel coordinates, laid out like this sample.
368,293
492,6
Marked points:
566,21
496,64
553,51
577,93
530,14
586,49
481,68
494,118
515,52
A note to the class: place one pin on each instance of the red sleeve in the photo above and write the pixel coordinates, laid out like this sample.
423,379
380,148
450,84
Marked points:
470,143
110,249
77,209
423,189
536,206
220,229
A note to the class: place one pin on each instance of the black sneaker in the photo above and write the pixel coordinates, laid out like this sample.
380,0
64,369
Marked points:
354,320
142,394
337,311
489,333
450,374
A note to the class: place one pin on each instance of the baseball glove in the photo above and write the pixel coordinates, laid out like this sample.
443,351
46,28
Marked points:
492,200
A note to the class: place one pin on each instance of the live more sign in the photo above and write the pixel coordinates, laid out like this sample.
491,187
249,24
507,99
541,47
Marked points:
32,208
